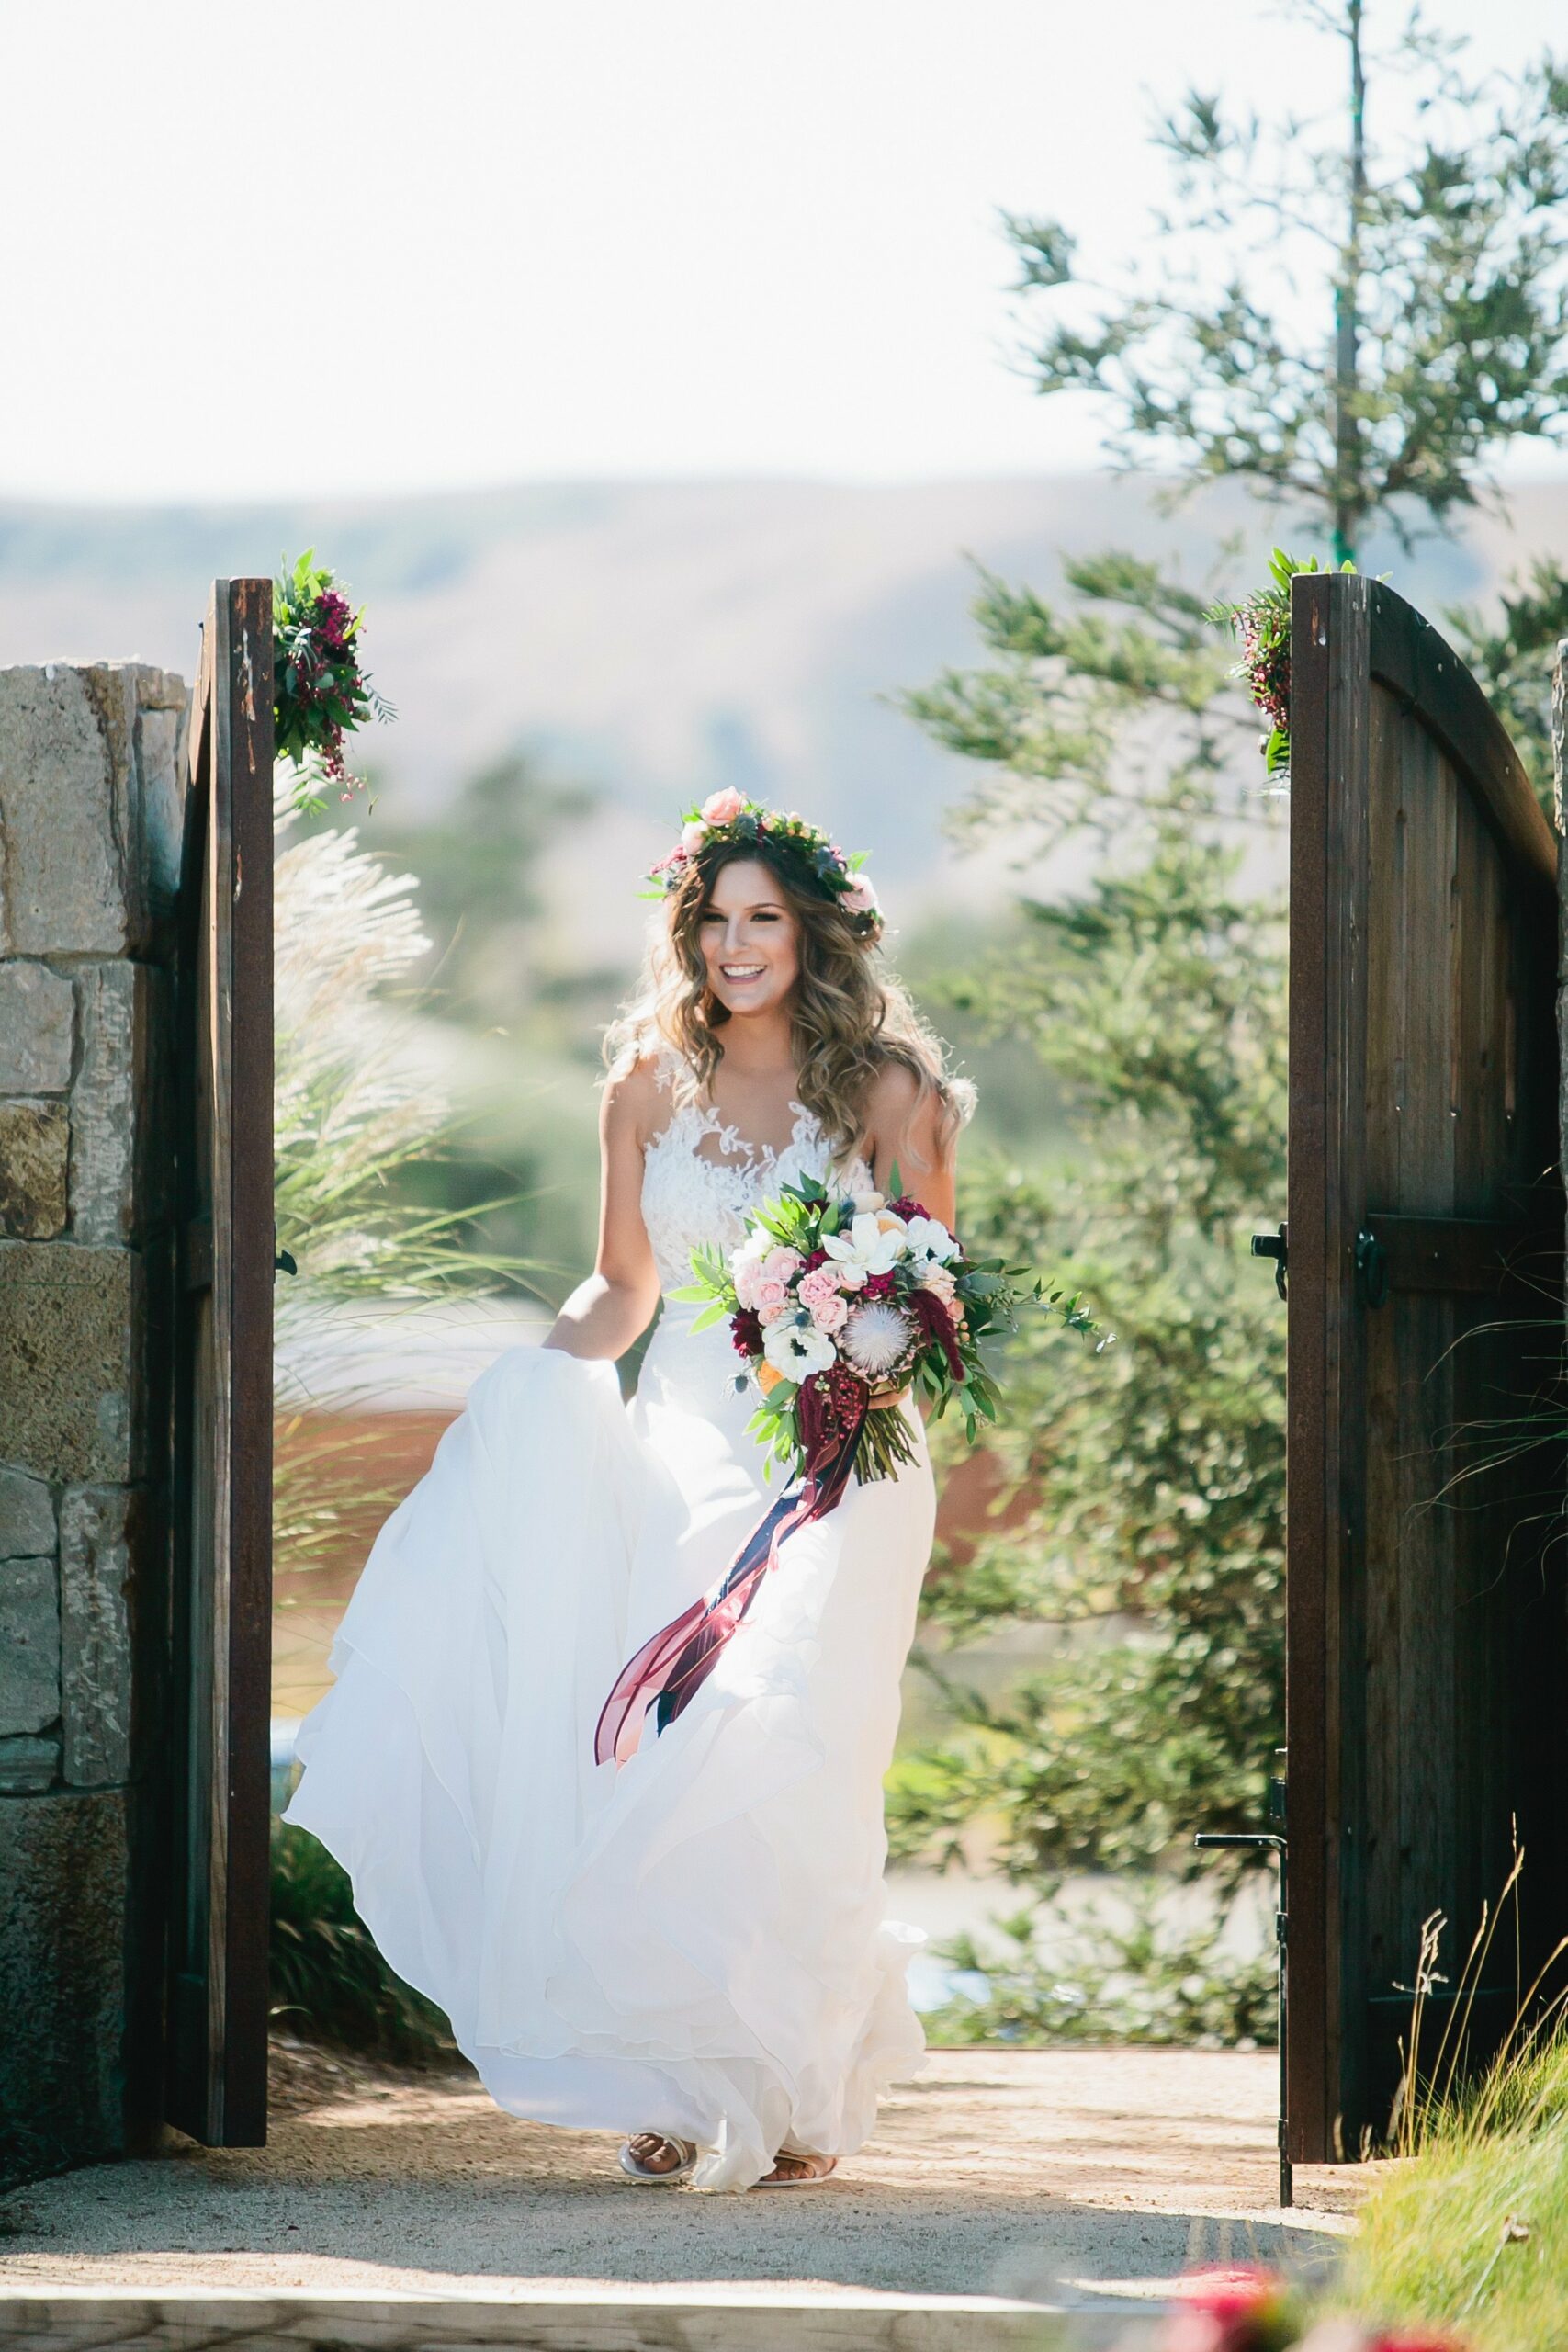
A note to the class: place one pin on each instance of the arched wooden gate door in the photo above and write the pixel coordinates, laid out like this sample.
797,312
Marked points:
1426,1622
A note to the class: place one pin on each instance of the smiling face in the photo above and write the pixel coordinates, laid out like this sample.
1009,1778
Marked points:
748,938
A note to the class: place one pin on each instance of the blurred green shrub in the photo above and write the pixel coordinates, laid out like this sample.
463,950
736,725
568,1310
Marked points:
329,1982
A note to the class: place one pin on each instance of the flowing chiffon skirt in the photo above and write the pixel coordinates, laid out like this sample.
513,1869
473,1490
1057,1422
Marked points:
695,1943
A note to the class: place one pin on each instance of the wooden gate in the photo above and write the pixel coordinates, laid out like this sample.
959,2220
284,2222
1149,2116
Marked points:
1425,1592
222,1480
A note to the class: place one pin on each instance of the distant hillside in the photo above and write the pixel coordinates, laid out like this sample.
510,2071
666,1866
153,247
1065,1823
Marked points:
654,640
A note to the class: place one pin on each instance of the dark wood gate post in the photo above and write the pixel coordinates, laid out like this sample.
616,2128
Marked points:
222,1432
1425,1628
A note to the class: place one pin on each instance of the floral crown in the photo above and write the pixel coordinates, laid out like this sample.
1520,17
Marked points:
806,855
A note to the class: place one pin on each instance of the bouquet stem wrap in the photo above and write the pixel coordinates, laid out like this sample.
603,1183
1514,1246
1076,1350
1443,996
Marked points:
670,1669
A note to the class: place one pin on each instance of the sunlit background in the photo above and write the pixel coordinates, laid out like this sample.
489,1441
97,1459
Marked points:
650,375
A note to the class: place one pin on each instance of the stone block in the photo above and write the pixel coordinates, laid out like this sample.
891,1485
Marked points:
95,1634
121,1106
63,815
38,1026
27,1516
29,1645
28,1762
35,1141
65,1877
66,1358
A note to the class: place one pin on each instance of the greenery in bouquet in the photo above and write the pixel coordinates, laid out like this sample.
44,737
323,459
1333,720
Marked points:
321,693
837,1300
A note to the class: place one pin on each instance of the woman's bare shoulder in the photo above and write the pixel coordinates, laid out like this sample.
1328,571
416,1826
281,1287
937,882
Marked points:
906,1118
890,1100
637,1097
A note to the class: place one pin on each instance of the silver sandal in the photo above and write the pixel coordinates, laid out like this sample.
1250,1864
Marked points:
687,2165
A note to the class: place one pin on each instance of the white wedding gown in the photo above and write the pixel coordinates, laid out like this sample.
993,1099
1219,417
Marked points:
694,1943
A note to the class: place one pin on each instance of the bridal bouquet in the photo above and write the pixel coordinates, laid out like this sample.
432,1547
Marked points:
836,1300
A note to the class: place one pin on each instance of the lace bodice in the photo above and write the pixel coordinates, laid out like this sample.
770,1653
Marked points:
690,1196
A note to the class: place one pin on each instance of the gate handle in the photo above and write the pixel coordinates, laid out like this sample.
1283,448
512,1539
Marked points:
1266,1842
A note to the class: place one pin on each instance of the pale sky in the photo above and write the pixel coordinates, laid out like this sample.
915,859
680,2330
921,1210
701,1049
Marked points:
378,246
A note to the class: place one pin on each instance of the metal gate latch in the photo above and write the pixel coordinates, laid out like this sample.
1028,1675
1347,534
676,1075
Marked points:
1272,1245
1371,1268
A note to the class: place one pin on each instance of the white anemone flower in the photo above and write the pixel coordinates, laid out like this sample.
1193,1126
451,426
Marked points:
929,1237
869,1246
797,1350
878,1339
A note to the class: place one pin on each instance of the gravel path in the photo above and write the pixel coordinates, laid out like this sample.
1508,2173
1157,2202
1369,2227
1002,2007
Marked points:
1045,2173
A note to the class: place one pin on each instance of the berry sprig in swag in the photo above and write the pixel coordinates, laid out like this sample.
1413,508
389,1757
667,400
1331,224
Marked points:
833,1301
1262,623
321,693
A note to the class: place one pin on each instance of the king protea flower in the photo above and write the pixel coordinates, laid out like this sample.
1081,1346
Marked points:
878,1339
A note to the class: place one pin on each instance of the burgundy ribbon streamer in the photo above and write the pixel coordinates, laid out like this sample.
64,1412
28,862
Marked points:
669,1670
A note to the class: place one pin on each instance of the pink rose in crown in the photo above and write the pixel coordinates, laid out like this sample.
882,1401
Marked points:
860,899
692,836
723,808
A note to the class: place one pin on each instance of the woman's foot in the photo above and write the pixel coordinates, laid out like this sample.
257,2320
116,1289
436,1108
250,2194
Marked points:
794,2171
649,2155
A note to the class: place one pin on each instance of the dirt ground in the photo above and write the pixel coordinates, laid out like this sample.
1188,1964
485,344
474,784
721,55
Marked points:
1057,2176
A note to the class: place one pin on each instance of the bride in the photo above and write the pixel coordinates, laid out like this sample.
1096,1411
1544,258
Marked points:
691,1942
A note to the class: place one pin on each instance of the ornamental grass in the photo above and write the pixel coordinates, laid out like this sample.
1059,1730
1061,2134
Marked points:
356,1113
1472,2234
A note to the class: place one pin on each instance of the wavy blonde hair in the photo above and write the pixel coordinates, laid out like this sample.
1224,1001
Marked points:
852,1016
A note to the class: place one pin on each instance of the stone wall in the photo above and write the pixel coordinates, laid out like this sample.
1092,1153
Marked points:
91,793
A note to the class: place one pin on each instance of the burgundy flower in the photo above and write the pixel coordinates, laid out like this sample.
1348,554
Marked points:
747,1329
829,1404
334,620
878,1286
936,1322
